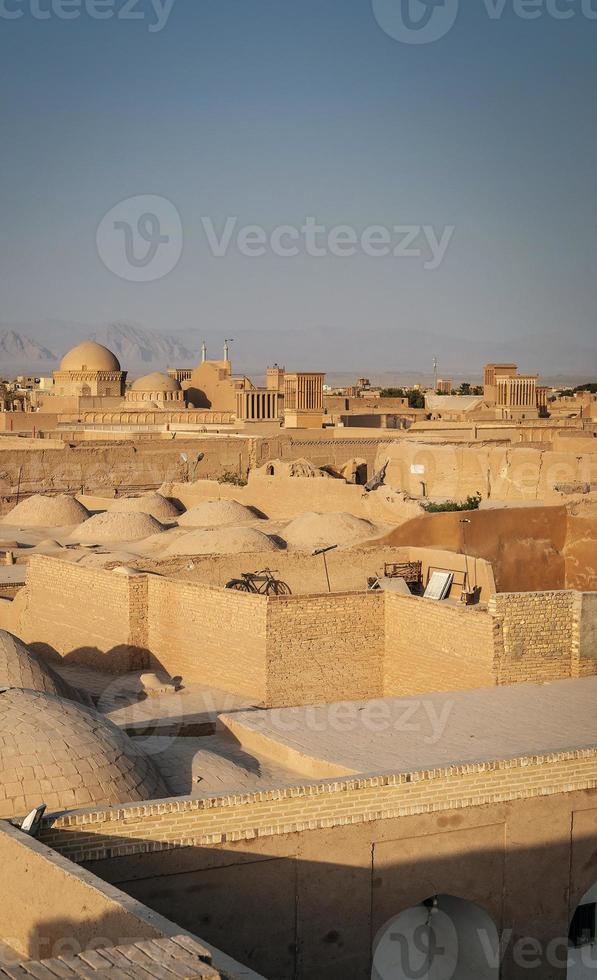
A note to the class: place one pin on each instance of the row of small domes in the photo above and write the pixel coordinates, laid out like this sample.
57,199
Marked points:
91,356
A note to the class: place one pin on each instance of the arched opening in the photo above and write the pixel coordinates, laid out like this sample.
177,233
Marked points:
582,938
270,469
441,938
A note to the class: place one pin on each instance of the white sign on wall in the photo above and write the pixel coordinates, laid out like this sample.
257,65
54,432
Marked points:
417,469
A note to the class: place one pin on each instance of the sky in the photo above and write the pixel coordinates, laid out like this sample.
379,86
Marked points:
479,146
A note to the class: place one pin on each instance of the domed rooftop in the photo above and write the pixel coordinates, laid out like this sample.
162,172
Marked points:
156,382
43,511
90,356
21,667
59,753
149,503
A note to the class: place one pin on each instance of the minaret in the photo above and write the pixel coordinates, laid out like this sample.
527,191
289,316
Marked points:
226,349
203,352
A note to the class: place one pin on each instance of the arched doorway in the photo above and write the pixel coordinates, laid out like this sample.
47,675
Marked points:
582,938
442,938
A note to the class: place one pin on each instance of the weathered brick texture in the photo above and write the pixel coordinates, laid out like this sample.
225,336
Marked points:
432,646
324,648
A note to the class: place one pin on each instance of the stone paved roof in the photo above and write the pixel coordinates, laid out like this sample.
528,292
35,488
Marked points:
56,752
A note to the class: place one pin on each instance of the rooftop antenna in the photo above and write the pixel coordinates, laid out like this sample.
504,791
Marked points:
229,340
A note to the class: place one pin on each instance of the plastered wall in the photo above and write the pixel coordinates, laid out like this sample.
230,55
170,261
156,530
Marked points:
51,901
297,882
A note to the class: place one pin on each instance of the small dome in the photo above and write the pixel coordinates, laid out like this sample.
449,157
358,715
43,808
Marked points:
90,356
21,667
59,753
156,382
43,511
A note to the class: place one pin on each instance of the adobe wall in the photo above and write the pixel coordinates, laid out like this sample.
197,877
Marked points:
525,545
47,901
324,648
291,650
433,643
297,882
500,472
536,637
348,569
89,615
584,634
580,549
283,497
212,636
125,466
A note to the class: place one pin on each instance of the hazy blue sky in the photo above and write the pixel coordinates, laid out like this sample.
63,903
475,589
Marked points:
272,110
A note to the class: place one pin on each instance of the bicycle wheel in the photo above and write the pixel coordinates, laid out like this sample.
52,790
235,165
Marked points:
277,588
239,585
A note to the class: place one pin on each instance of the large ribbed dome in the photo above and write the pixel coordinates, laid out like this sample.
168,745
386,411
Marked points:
21,667
90,356
156,382
59,753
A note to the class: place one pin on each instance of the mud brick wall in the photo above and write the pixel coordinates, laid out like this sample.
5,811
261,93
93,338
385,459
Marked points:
208,635
324,648
86,613
104,832
433,646
535,640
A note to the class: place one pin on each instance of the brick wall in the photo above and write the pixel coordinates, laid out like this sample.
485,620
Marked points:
324,648
434,646
308,649
536,636
100,833
209,635
584,638
85,612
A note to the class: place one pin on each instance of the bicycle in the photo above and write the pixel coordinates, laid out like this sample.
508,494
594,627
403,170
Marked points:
259,583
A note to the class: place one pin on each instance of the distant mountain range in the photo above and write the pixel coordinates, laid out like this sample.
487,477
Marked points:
386,355
135,347
17,347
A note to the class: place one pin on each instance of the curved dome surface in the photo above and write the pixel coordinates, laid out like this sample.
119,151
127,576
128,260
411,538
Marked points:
59,753
43,511
156,382
90,356
21,667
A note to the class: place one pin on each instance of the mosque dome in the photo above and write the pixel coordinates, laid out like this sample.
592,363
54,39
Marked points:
156,382
90,356
21,667
59,753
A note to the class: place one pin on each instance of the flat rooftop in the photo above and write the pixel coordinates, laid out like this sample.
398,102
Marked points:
417,733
